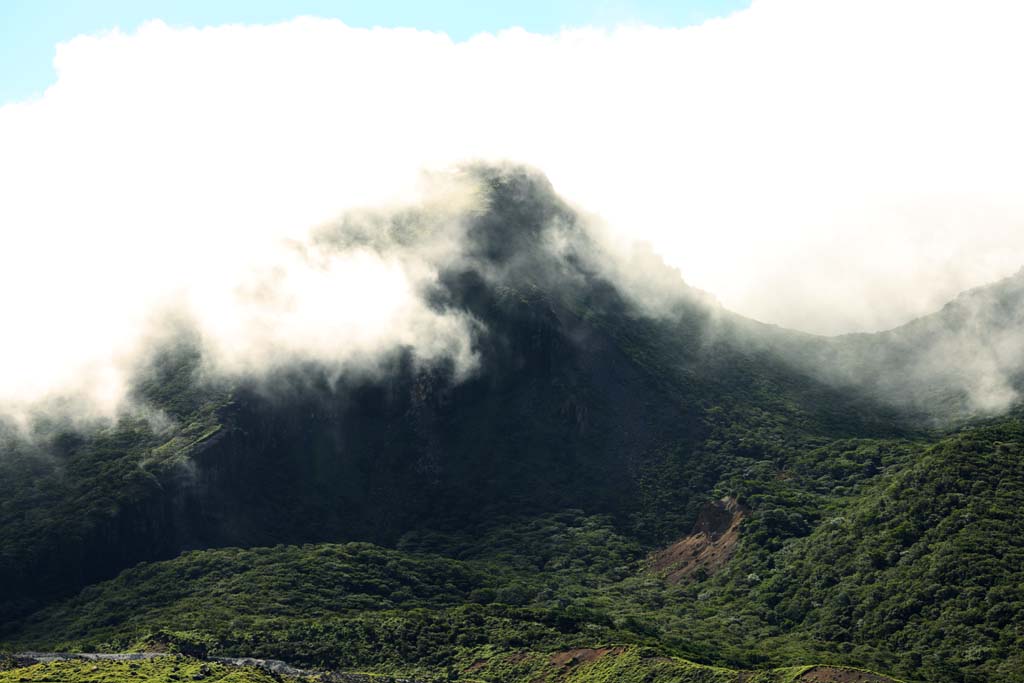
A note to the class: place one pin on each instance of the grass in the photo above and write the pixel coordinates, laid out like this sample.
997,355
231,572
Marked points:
169,669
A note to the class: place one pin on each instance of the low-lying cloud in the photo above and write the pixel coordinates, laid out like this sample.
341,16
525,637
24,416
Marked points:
830,166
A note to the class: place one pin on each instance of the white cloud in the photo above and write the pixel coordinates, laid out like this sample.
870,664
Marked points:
825,165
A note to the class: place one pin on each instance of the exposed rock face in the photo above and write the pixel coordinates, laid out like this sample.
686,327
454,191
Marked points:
707,548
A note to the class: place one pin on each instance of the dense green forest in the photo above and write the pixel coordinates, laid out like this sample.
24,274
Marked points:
612,495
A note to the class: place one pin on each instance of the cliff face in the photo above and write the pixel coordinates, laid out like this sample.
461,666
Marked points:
556,416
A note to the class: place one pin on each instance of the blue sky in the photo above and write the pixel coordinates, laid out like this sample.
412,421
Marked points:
30,29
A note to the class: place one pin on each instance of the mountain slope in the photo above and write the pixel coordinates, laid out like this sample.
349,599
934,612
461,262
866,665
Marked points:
580,400
916,571
964,360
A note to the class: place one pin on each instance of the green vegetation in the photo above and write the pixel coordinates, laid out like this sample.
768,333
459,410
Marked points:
348,606
159,670
101,493
586,665
842,578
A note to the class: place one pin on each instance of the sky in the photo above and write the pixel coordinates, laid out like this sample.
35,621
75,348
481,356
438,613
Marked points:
30,29
831,166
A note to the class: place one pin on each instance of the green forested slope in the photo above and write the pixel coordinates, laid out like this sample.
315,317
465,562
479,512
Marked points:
914,569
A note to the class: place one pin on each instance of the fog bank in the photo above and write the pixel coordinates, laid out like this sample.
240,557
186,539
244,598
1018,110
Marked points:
829,166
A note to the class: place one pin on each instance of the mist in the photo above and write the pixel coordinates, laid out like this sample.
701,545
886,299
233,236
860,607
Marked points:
827,166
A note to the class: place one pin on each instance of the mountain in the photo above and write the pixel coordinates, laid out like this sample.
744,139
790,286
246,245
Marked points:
964,360
616,491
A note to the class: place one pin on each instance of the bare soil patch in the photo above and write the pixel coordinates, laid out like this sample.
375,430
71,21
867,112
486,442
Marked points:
708,547
582,655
